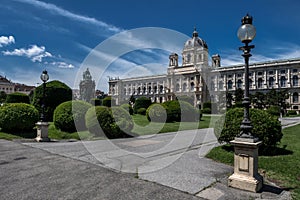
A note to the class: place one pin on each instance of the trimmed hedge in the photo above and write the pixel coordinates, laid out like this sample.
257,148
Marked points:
266,126
96,102
18,117
70,116
17,97
141,111
108,102
113,122
56,93
141,102
173,111
128,108
157,113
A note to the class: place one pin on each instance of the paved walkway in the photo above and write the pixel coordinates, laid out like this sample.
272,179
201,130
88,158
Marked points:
172,164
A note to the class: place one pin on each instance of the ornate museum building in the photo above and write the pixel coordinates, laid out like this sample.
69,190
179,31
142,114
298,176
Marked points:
204,82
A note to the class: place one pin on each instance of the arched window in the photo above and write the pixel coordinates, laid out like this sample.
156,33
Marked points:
221,85
295,97
139,90
239,83
259,83
184,87
177,87
282,81
188,59
149,89
155,89
229,84
192,86
295,80
144,90
129,91
124,91
161,89
271,82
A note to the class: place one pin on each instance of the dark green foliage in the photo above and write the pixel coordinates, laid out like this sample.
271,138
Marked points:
157,113
17,97
188,112
238,95
18,117
206,111
186,99
266,127
114,122
128,108
173,111
142,102
229,99
70,116
108,102
56,93
207,105
274,110
292,112
2,96
141,111
96,102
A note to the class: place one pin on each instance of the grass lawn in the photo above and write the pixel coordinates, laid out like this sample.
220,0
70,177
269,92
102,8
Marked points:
143,126
283,168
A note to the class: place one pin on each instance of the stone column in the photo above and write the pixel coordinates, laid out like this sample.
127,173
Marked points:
42,132
245,176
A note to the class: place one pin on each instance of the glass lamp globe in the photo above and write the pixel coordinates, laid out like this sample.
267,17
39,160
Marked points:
246,33
44,76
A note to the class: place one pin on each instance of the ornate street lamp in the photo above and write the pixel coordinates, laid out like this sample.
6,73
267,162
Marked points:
44,77
42,125
246,33
246,176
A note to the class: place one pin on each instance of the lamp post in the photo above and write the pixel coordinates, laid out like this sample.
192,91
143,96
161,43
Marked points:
42,125
246,176
246,33
44,77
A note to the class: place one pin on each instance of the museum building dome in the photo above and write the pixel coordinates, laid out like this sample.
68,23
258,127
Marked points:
195,41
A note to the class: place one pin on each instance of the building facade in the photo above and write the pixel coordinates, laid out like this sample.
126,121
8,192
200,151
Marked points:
204,82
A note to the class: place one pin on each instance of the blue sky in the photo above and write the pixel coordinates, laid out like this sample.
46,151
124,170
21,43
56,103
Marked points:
58,35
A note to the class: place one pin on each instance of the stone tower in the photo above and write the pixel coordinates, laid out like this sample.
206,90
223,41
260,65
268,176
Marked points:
87,87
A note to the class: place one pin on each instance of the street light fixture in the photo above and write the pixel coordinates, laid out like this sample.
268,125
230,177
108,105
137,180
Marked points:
246,33
44,77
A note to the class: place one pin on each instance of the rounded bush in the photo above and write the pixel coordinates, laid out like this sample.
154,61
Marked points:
265,126
70,116
274,110
96,102
173,110
141,111
292,112
142,102
108,102
113,122
56,93
206,111
188,112
17,97
156,113
18,117
128,108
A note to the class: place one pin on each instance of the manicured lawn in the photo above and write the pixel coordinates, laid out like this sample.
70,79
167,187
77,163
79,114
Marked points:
283,168
144,127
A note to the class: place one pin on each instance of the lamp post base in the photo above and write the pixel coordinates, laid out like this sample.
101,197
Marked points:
245,176
42,132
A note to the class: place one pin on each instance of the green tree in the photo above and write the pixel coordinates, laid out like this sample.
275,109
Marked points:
142,102
238,97
229,99
17,97
55,94
259,100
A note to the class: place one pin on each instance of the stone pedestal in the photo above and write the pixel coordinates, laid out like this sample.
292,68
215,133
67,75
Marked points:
42,132
246,176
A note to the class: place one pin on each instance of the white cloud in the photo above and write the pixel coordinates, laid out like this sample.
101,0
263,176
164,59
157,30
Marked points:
34,52
6,40
80,18
62,65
